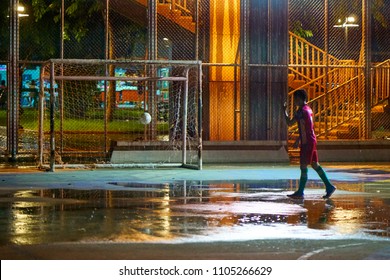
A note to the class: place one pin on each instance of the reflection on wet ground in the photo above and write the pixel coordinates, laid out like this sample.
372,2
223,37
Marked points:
189,211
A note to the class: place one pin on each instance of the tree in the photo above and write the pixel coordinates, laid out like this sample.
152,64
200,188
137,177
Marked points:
84,34
4,33
83,30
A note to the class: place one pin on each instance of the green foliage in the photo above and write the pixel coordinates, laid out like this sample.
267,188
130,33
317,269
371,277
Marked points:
78,12
298,30
4,32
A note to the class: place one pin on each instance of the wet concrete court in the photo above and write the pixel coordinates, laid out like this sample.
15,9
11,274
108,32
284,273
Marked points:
217,213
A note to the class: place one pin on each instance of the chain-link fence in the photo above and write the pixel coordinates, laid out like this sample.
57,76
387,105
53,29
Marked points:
338,54
255,54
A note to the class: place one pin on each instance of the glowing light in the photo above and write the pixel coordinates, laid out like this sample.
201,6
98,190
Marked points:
20,10
349,22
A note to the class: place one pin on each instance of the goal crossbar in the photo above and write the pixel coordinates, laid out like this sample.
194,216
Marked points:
107,78
127,62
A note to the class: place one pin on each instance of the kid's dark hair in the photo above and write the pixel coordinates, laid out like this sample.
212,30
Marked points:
301,93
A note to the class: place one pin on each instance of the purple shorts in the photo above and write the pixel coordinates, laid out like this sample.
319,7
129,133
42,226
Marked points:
308,154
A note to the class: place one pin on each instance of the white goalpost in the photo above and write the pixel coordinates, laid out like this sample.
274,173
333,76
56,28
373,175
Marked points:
93,112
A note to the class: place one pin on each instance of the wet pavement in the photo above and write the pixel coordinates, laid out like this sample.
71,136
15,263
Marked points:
230,212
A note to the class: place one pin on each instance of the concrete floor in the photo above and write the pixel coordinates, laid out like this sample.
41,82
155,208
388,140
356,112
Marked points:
221,212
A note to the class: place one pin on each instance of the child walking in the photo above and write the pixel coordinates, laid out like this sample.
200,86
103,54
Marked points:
308,144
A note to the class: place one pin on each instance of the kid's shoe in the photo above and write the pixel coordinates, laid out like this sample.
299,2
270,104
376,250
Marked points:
329,193
296,195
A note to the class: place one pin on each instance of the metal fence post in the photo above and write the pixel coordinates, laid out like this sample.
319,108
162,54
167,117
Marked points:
326,66
367,66
41,118
244,73
185,114
13,82
52,117
152,55
200,117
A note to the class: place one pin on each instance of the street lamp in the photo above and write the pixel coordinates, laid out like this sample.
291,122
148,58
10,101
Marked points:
348,23
21,11
16,11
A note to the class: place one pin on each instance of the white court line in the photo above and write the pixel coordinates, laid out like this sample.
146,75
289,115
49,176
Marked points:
312,253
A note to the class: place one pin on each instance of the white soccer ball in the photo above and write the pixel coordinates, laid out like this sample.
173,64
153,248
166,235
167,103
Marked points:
146,118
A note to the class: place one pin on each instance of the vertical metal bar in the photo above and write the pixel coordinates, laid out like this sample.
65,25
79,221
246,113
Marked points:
152,55
185,114
235,102
200,118
13,82
62,28
244,17
41,117
326,66
61,91
197,30
367,66
52,113
269,72
106,56
236,92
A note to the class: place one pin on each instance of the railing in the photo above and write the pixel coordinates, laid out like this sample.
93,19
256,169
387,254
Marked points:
380,79
335,108
339,106
332,85
308,64
185,6
303,53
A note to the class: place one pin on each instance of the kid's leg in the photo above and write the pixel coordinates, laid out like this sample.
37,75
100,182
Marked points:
302,183
303,179
321,172
304,158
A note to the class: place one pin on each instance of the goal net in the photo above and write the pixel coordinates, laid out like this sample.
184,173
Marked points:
92,112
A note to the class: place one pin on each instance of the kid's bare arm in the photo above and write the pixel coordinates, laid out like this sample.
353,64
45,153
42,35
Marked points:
289,121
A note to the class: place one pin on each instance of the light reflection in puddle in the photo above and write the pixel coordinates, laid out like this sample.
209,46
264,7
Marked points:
189,212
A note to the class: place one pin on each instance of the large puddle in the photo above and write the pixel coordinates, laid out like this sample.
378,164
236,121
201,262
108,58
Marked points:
189,211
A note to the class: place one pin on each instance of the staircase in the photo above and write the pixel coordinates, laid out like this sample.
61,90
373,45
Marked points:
336,95
380,84
178,11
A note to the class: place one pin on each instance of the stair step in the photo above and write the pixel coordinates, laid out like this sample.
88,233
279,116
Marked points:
174,15
348,135
378,109
291,78
297,83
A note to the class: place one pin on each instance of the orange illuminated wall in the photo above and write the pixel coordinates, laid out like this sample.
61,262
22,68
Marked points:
224,43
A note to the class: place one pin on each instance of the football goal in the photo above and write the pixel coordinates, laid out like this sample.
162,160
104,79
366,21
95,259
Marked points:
121,113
